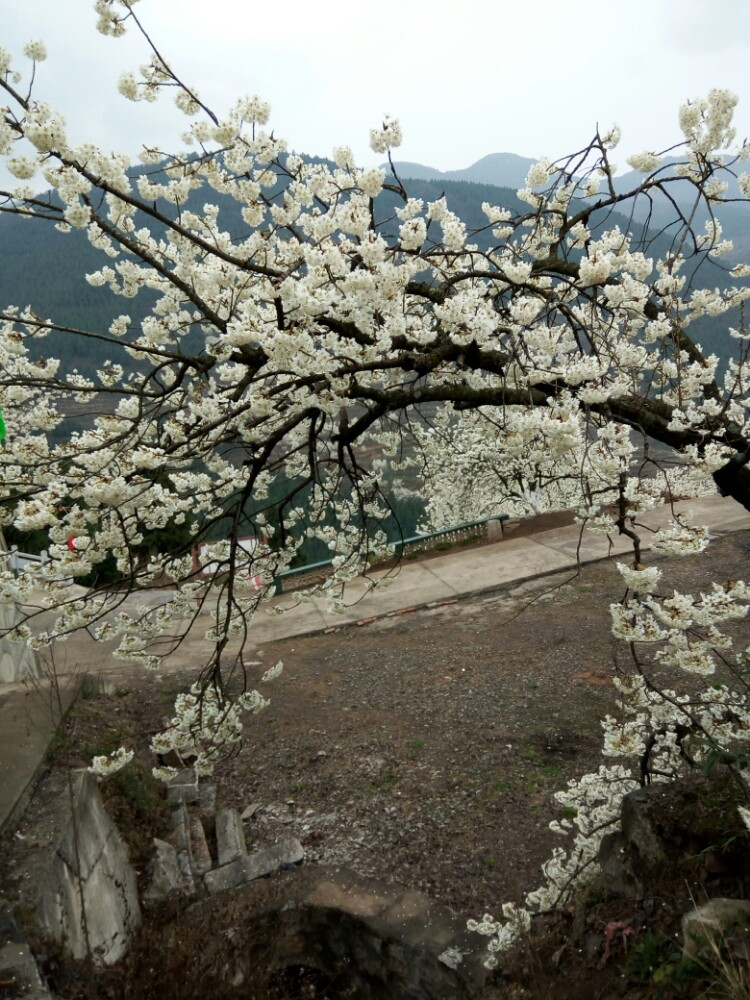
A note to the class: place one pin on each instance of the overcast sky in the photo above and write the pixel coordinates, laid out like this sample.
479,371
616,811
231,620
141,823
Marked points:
466,78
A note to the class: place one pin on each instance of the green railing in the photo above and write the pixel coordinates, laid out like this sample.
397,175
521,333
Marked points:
398,547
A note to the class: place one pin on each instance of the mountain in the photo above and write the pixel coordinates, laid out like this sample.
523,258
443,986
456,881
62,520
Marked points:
499,169
508,170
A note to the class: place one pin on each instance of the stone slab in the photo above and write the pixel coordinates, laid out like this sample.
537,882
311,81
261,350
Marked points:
256,865
207,798
230,837
199,851
183,787
69,848
180,832
164,873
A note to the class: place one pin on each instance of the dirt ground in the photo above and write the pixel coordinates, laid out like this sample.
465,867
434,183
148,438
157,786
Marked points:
424,748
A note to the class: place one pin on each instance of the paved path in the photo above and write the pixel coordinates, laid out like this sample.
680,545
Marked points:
25,733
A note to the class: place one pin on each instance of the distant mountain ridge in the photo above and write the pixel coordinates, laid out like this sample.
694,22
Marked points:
499,169
508,170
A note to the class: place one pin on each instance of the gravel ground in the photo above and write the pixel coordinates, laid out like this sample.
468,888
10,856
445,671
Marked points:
427,748
424,748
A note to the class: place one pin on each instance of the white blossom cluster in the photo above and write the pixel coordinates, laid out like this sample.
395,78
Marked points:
107,764
207,725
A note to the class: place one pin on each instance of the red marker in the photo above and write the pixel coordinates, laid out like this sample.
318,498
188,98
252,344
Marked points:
72,544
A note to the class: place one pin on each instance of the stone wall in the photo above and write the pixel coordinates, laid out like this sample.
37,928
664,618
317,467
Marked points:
73,850
108,883
381,941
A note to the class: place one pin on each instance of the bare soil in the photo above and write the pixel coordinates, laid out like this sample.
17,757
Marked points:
425,749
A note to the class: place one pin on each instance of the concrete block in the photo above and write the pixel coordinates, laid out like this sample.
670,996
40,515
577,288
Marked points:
207,799
230,837
183,787
256,865
201,856
165,876
179,836
96,863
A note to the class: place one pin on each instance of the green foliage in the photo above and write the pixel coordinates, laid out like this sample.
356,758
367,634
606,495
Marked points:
645,957
32,542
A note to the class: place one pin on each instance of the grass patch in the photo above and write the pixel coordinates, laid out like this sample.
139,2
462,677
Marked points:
136,802
383,783
551,770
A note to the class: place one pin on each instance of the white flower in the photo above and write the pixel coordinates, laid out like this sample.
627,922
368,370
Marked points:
642,579
680,539
128,86
539,174
388,136
412,234
344,157
611,139
645,162
253,109
22,167
109,764
371,182
273,672
35,50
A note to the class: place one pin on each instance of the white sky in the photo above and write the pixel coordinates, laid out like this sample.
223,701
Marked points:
466,78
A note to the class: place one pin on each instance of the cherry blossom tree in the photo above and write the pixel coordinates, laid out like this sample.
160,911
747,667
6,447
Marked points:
551,347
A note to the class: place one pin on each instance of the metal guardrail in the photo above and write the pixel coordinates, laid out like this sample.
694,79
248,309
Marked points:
398,547
20,560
